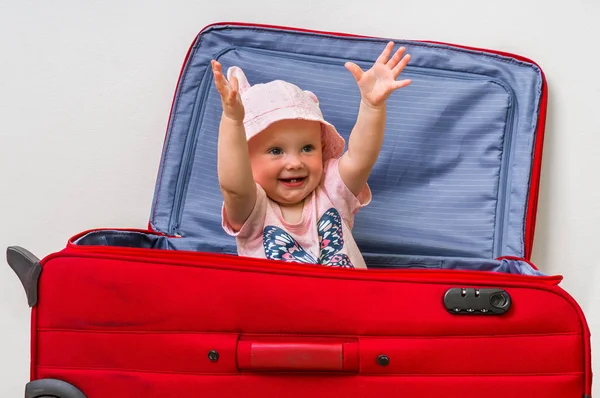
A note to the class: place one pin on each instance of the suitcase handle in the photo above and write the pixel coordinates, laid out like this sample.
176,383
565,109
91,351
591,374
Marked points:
28,269
263,356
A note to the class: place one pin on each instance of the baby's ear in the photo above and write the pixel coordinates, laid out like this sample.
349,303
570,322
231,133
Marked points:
312,96
241,77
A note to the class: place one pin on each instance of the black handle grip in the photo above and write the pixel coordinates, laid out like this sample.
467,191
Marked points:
28,269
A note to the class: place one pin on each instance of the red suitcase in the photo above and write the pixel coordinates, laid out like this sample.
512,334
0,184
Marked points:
449,307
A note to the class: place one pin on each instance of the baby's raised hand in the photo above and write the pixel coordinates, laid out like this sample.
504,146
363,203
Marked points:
378,83
229,91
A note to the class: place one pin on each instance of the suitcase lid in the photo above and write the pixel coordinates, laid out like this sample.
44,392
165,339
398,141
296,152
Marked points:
459,168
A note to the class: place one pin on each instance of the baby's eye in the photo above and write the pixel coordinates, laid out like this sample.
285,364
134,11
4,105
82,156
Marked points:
275,151
308,148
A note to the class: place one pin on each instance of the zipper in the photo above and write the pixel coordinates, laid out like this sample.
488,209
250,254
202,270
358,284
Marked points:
190,143
532,201
188,150
152,221
244,264
417,266
505,176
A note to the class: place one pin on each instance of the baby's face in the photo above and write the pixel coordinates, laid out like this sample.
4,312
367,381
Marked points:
287,160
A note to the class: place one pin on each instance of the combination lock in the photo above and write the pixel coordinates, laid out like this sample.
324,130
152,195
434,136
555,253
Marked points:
471,301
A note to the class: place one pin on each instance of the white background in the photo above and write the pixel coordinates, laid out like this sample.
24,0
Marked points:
86,89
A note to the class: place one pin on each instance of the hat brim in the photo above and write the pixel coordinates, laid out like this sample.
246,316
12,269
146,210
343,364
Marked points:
333,142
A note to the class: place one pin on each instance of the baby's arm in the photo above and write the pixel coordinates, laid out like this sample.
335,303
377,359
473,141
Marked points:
233,162
375,85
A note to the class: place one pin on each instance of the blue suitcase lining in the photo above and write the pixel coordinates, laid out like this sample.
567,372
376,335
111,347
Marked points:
451,183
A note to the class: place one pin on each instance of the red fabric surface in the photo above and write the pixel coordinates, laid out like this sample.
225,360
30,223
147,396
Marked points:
103,384
117,327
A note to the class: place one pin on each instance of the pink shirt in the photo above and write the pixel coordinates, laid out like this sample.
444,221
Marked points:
322,236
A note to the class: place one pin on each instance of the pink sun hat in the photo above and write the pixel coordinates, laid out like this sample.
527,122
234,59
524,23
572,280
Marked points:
267,103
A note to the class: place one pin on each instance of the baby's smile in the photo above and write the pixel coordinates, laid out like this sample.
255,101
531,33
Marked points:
293,182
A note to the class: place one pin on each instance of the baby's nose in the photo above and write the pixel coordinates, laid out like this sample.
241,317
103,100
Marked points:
293,162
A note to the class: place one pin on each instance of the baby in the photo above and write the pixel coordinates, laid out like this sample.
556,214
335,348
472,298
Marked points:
290,192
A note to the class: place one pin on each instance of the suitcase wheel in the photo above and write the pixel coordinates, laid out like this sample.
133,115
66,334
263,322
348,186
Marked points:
52,388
